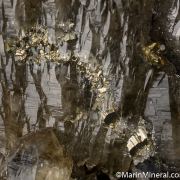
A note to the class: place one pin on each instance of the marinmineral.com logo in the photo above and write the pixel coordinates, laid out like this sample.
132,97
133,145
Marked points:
147,175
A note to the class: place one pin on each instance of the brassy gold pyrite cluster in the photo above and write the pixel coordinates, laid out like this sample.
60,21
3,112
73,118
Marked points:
152,53
33,46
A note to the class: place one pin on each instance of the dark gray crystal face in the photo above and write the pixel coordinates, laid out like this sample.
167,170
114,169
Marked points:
89,88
